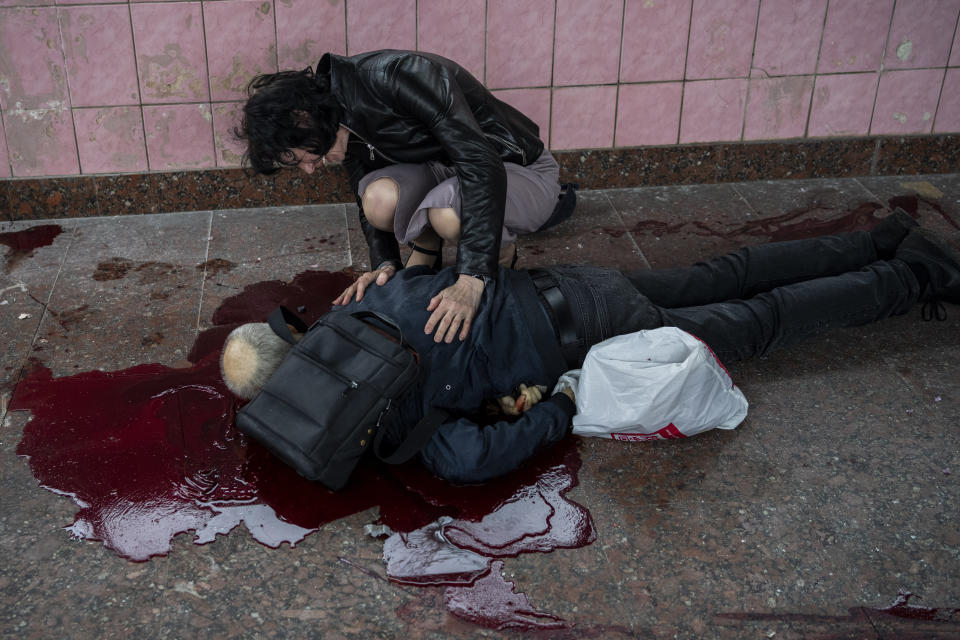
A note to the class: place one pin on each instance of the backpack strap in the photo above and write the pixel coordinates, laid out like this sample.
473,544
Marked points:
415,440
280,318
386,320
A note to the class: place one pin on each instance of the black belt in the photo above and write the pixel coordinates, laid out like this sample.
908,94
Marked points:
549,291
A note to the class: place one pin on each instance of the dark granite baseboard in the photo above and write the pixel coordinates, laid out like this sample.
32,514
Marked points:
67,197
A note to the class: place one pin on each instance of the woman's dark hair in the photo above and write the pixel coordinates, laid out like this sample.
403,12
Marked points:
284,111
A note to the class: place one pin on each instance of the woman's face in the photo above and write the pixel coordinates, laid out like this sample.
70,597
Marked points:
307,162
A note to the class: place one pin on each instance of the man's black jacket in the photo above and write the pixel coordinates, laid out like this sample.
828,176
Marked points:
511,342
409,107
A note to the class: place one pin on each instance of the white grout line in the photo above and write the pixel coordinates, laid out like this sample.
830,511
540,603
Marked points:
346,225
627,231
203,279
46,303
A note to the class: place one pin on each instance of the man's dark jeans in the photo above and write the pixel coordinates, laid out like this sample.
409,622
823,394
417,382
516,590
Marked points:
748,302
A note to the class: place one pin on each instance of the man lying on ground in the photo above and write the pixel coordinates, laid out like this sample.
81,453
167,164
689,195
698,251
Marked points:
538,323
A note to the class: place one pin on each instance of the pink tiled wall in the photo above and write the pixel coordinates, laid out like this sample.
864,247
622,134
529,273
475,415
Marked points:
114,86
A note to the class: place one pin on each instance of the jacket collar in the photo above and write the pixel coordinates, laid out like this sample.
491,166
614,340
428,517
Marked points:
342,73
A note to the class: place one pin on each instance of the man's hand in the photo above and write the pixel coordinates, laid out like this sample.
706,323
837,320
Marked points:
524,401
568,391
379,276
454,306
528,397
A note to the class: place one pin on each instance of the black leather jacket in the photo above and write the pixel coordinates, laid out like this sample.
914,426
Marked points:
403,106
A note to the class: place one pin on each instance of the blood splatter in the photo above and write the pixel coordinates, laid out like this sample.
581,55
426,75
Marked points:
151,451
899,608
216,266
793,225
112,269
21,244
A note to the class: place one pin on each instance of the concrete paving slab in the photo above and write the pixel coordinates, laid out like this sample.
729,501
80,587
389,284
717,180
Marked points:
251,235
118,316
595,234
677,226
177,238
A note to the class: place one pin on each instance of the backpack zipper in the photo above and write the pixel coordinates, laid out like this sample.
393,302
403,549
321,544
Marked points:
351,384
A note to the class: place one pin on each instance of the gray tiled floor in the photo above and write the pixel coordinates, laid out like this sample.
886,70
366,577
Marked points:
838,491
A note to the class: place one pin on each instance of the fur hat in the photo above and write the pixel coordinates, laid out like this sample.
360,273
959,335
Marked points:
250,356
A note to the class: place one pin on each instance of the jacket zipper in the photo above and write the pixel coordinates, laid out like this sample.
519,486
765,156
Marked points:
372,148
509,145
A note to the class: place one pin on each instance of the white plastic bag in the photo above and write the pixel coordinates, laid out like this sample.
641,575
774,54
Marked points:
651,385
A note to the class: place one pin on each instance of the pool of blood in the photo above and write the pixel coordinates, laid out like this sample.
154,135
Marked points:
151,451
491,601
21,244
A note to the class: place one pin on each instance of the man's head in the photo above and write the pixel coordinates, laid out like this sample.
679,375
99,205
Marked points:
250,356
286,111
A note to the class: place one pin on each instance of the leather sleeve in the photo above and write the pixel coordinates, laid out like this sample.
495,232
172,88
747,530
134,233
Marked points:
464,452
382,244
428,92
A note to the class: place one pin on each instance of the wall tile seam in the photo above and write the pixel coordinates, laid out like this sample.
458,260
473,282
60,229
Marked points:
233,102
143,122
876,94
206,60
6,146
816,65
486,27
750,78
66,75
616,98
686,61
553,62
943,81
746,98
346,29
886,72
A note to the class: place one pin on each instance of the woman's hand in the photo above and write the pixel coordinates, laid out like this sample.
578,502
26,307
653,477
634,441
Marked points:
379,277
455,305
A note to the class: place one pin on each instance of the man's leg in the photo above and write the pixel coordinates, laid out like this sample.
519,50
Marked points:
755,269
740,329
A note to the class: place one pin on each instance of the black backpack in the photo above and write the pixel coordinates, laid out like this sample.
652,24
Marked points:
320,410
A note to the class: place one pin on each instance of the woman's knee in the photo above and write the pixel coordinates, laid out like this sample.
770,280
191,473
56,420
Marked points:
380,200
446,222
